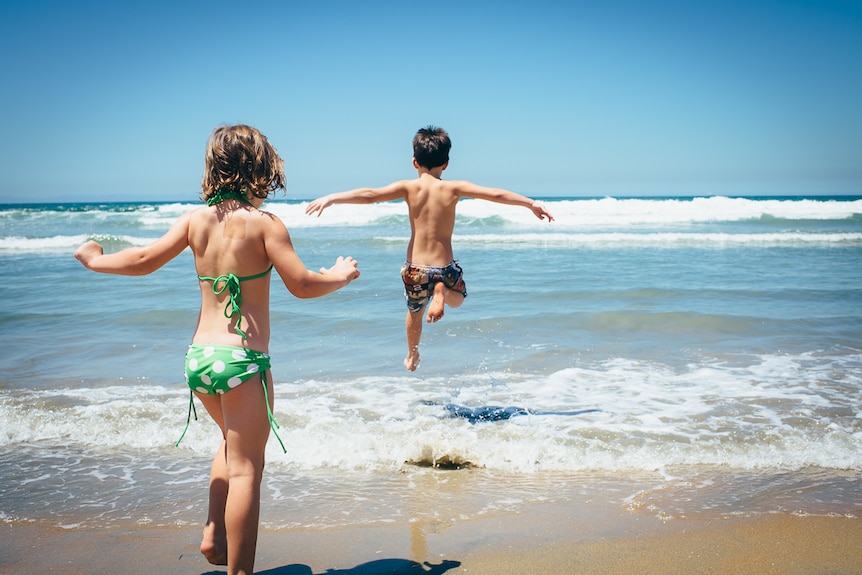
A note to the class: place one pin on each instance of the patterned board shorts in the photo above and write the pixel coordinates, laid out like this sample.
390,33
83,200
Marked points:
419,282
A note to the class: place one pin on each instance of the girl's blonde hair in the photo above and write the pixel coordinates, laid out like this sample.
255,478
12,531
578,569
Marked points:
239,158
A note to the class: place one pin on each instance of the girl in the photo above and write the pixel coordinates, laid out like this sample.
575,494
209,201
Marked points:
235,246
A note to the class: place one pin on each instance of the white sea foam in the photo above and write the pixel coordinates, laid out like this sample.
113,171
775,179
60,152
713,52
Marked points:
782,412
651,240
611,211
63,243
578,221
591,213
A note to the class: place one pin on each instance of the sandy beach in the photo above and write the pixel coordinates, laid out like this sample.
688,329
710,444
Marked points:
578,539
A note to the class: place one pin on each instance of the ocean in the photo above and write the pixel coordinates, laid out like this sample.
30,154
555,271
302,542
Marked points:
675,357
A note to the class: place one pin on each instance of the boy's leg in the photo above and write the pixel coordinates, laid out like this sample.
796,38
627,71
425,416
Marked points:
414,334
247,430
436,305
454,298
442,295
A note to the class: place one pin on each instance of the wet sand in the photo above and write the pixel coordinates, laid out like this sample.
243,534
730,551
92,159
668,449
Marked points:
576,539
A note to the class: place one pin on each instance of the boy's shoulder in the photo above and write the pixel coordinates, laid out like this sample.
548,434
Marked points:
457,187
440,183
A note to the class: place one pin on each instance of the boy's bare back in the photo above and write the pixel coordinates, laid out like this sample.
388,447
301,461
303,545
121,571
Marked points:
431,202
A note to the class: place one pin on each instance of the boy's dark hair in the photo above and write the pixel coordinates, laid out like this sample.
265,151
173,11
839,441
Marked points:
239,158
431,147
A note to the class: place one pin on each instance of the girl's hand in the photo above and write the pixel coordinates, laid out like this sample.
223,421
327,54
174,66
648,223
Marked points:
348,268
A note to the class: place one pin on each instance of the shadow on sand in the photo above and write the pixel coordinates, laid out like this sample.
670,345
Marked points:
377,567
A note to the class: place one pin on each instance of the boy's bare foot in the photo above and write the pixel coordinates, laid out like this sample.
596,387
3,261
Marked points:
411,362
214,547
435,308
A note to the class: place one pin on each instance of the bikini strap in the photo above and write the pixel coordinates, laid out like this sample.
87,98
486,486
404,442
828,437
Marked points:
230,282
221,195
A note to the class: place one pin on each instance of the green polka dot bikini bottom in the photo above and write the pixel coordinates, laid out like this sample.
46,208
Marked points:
216,369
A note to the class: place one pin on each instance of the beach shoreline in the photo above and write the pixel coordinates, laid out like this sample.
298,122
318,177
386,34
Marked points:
543,539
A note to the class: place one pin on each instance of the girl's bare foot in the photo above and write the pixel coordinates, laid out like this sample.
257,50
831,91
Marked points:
214,545
411,362
435,308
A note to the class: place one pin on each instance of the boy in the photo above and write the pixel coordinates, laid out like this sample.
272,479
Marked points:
430,270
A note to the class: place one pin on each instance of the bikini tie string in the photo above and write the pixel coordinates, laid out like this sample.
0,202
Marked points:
230,283
273,424
189,419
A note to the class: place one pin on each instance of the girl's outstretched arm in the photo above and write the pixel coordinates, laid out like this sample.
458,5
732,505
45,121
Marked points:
137,261
300,281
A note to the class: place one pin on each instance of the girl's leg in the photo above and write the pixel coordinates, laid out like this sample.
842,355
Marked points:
246,433
214,542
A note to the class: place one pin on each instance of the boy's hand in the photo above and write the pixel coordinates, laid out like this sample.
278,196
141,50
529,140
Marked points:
318,206
347,267
541,212
88,252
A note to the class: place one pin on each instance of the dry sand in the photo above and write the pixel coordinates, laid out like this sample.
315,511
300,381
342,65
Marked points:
543,540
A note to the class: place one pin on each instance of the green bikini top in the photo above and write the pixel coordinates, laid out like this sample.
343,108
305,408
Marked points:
231,283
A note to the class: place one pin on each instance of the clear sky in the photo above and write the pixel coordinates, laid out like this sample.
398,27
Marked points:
114,101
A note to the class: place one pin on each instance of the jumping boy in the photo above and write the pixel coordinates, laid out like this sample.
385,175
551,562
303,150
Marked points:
430,271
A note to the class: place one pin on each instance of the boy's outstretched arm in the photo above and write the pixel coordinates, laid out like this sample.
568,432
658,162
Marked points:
137,261
470,190
393,191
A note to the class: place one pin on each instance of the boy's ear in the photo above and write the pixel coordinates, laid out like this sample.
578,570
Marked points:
415,164
446,165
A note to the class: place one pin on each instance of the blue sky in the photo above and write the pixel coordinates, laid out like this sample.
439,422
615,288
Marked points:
115,101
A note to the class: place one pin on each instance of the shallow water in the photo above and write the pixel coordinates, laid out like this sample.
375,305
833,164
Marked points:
675,356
